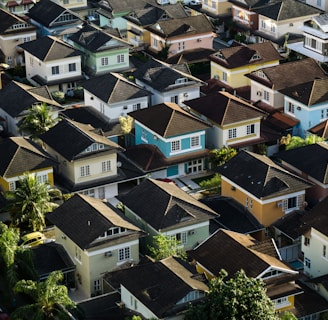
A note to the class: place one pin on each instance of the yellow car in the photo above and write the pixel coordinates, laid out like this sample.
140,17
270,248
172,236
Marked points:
32,239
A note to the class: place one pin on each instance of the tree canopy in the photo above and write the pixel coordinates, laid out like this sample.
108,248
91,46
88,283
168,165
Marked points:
292,142
220,156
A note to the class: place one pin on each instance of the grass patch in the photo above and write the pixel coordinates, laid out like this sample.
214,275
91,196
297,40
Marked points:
200,179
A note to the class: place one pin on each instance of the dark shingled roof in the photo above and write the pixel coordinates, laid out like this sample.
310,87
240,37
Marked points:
260,176
191,56
83,219
250,4
20,154
167,208
8,19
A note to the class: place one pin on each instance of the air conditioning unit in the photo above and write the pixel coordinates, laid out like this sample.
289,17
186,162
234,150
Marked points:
259,93
191,232
279,204
108,254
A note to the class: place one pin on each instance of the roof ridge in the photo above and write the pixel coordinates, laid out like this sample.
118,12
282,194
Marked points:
52,45
169,122
111,95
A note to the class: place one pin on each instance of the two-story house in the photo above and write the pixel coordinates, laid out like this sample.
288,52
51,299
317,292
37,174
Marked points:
229,65
52,62
104,52
20,8
13,32
266,189
114,96
87,159
159,207
96,237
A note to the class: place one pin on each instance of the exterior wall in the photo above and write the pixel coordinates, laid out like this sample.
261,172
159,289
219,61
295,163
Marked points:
137,35
323,5
267,95
244,17
16,8
72,4
11,123
105,191
285,306
217,7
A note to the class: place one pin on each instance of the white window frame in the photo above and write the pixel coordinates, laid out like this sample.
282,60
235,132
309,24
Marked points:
85,171
104,61
194,142
55,70
78,254
266,95
124,254
175,145
120,58
232,133
250,129
72,67
195,166
97,285
106,166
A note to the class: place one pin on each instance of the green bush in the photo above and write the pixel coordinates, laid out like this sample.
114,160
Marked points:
78,93
58,96
212,185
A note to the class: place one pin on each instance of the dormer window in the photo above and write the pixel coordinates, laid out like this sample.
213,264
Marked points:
181,80
219,55
112,232
255,57
95,147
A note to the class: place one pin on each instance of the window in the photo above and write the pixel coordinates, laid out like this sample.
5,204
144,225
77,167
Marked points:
292,203
314,43
72,67
213,5
124,254
307,241
290,108
319,3
224,76
281,302
66,2
120,58
175,145
10,59
85,171
232,133
155,43
181,46
307,263
26,39
144,136
96,285
263,24
55,70
194,142
175,99
42,179
273,28
266,95
89,192
77,253
181,237
104,61
324,251
12,186
195,166
136,106
246,202
105,166
250,129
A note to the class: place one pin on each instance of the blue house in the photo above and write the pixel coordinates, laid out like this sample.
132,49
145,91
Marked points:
169,141
308,102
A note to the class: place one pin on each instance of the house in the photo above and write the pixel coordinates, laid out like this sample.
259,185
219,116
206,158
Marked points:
167,83
315,42
176,138
52,62
13,32
17,7
169,211
181,34
15,100
87,159
320,130
96,237
229,65
220,10
266,83
313,167
114,96
52,19
104,52
234,121
266,189
234,251
147,288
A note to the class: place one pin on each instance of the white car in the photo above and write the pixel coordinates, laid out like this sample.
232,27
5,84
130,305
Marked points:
195,2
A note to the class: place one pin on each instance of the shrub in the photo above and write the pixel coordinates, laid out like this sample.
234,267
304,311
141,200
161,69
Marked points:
212,185
78,93
58,96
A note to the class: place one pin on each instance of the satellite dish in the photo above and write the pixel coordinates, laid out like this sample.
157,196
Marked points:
119,164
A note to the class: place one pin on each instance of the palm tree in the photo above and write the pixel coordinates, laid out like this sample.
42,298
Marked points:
50,299
30,202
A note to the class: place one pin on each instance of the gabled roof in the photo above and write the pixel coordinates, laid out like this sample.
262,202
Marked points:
113,88
243,55
168,208
321,129
61,136
49,49
250,4
234,251
288,74
224,108
17,97
191,56
121,6
152,283
8,19
287,9
314,160
84,219
20,154
168,120
260,176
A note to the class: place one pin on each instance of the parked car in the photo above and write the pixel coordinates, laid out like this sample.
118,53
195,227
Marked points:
195,2
32,239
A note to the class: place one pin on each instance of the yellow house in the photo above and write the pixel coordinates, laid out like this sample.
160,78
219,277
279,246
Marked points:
229,65
20,155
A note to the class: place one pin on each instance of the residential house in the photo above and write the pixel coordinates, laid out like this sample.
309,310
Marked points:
169,141
17,7
80,7
313,167
169,211
96,237
322,5
53,19
181,34
217,9
87,159
52,62
163,289
229,65
13,32
266,189
280,21
267,83
315,41
167,83
114,96
104,52
234,121
234,251
15,100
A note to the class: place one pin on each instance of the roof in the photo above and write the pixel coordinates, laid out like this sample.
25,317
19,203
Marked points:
151,282
8,19
191,56
84,219
114,88
243,55
22,155
17,97
321,129
260,176
250,4
233,251
168,120
314,160
288,74
224,108
168,208
49,49
60,139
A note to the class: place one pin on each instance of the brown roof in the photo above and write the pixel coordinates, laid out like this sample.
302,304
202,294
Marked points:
320,129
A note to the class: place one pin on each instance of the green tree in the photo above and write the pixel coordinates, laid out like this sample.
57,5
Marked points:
38,120
31,200
50,299
292,142
212,185
164,246
126,124
220,156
